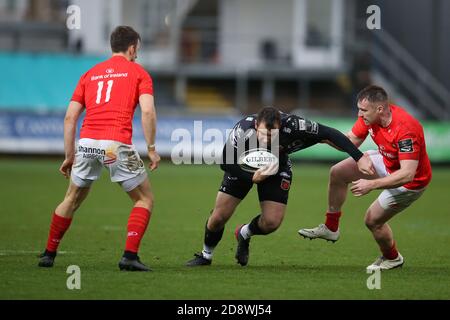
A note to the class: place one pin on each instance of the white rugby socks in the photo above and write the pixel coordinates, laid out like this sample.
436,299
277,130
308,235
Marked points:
245,232
207,252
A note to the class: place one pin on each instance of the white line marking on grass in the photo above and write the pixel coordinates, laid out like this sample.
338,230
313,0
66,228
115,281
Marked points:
25,252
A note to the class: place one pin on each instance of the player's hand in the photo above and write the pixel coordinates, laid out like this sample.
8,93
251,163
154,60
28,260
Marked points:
154,160
262,173
365,165
66,167
361,187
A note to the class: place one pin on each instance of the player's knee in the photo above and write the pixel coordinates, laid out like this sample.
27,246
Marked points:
217,220
371,223
270,225
336,173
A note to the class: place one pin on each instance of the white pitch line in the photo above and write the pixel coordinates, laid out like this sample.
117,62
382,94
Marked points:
15,252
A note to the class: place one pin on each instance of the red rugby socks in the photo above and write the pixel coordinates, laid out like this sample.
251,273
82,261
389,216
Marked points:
58,227
332,220
137,224
390,253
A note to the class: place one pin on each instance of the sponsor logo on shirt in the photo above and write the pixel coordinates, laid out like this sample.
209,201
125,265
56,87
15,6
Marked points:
109,75
382,150
387,154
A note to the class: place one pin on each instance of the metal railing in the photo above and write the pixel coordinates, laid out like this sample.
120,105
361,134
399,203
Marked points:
409,76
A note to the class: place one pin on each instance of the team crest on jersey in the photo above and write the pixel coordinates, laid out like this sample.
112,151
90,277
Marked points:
285,184
406,145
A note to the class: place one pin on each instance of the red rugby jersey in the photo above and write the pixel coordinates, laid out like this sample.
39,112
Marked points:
110,92
403,139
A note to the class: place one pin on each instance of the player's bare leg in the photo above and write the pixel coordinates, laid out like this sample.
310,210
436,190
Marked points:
72,201
271,217
142,198
61,220
267,222
376,221
341,175
142,195
223,210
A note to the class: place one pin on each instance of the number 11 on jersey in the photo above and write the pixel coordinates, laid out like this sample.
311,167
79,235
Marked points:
100,89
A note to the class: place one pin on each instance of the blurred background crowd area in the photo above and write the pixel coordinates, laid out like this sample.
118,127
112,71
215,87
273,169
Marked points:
231,57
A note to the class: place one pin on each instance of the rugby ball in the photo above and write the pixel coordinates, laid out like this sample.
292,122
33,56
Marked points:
255,159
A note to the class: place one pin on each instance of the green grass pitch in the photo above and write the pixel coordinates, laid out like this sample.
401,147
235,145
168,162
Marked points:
282,265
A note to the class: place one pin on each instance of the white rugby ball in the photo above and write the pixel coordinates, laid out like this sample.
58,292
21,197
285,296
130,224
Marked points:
255,159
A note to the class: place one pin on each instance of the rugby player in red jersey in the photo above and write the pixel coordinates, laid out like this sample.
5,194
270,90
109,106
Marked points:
109,92
402,166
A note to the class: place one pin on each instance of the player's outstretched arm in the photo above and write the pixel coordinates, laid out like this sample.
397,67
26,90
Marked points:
70,126
343,143
365,165
353,138
148,118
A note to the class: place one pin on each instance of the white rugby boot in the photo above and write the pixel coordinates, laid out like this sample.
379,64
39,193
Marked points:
385,264
320,232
